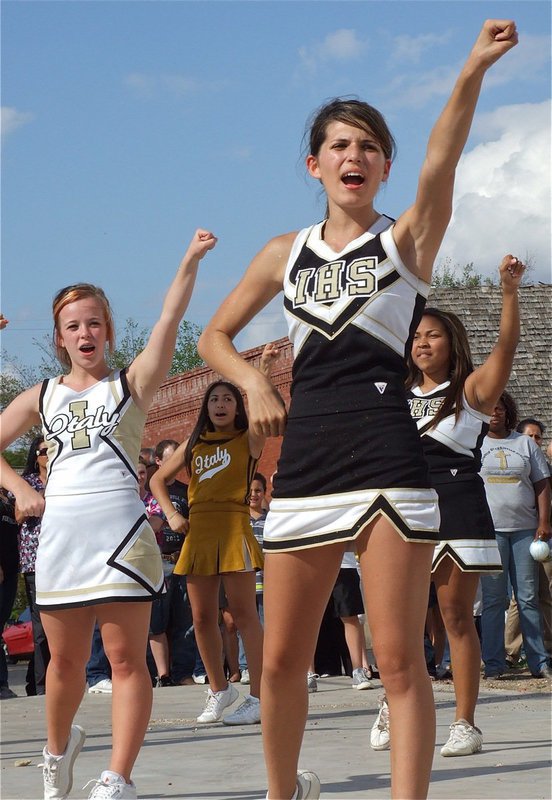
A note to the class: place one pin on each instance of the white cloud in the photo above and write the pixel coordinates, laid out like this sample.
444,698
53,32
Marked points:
11,119
502,194
407,48
341,45
267,326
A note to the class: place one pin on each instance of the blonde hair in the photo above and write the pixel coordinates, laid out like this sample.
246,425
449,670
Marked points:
70,294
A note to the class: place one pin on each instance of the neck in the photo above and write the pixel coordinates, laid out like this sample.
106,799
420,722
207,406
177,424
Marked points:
78,376
429,382
42,473
498,434
255,512
344,225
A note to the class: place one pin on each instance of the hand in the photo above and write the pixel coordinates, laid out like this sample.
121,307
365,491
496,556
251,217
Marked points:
266,409
544,532
269,356
3,322
497,36
28,503
202,242
511,272
178,523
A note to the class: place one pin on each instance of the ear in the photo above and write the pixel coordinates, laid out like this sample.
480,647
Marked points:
58,339
386,170
312,166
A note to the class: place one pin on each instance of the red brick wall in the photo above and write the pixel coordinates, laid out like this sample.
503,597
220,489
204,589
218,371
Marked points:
175,407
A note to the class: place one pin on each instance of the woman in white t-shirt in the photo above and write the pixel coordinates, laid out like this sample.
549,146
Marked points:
516,478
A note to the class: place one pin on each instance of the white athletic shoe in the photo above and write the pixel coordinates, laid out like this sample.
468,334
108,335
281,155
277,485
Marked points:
312,685
102,687
112,786
464,740
248,713
245,677
217,702
57,771
308,786
362,679
380,737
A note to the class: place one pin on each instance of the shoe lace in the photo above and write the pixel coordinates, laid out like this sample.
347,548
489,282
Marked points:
50,771
242,710
383,716
460,731
211,704
102,789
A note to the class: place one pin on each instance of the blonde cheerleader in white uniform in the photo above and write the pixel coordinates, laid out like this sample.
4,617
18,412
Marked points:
97,558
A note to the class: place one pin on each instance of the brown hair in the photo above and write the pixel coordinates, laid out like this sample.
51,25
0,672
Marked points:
70,294
460,365
352,112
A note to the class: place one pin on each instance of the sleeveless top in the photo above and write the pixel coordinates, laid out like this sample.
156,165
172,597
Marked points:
93,436
351,317
221,472
452,448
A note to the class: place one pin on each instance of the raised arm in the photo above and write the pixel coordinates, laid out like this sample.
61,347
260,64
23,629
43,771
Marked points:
152,365
158,487
21,415
485,385
419,231
262,281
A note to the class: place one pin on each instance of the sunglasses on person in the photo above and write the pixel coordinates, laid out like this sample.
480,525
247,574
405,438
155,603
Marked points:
42,452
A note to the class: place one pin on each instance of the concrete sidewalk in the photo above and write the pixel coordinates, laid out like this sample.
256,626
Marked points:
214,762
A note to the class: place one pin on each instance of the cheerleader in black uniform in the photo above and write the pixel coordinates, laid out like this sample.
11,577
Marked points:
452,404
351,472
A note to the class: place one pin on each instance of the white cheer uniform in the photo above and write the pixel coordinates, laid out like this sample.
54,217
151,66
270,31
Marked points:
96,545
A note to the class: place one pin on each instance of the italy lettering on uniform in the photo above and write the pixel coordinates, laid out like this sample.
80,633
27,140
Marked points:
208,465
78,423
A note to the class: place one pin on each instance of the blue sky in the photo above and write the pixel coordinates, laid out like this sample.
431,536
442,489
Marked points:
126,125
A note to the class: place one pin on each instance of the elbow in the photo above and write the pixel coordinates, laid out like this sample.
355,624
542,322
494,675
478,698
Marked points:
202,345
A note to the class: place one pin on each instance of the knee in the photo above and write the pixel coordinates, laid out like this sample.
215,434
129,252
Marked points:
67,665
458,621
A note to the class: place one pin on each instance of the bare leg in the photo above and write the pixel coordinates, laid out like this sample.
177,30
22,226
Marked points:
240,590
69,633
396,576
293,581
203,591
159,644
356,641
230,643
124,628
456,593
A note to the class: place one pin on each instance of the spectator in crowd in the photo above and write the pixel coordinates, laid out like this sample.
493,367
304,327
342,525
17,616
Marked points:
513,639
35,473
147,457
173,648
9,568
516,478
98,668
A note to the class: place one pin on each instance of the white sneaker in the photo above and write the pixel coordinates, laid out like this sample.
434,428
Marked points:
464,740
362,679
202,679
57,771
217,702
312,685
113,786
245,677
308,786
380,736
102,687
248,713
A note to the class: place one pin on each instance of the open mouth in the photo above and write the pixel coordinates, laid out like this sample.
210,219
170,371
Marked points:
353,179
87,348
